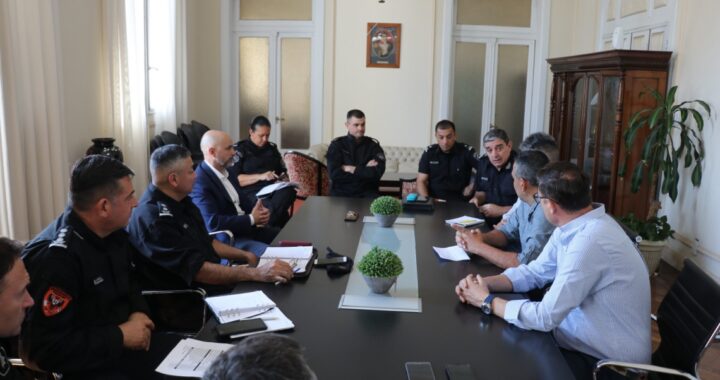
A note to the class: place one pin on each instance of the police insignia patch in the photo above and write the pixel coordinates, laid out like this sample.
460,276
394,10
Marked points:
55,301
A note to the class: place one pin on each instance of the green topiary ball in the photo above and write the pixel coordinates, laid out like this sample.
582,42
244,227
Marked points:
386,205
380,262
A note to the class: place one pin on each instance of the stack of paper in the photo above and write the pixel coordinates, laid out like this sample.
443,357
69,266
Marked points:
297,257
465,221
191,358
233,307
269,189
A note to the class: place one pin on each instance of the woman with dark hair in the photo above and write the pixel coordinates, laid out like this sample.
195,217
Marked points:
260,164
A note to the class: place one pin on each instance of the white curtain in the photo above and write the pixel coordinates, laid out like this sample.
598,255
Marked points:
33,163
167,62
124,38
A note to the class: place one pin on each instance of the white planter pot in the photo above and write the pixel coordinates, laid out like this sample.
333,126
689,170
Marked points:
652,252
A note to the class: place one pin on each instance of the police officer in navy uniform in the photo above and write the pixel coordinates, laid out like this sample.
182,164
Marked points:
14,300
168,230
445,168
355,162
89,319
260,164
494,190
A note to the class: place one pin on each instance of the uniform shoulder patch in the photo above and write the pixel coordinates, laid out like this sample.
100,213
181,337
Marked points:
55,301
61,238
272,144
164,210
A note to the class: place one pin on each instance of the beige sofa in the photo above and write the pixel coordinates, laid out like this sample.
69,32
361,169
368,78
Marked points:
400,159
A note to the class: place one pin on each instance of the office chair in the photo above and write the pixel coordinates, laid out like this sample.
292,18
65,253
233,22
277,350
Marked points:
190,134
688,320
181,312
311,175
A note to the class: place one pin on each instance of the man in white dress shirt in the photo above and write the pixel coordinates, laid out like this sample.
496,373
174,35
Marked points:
598,306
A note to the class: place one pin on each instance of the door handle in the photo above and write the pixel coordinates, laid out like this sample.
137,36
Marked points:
277,118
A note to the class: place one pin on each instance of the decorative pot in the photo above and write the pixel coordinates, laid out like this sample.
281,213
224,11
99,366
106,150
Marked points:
652,252
380,285
385,220
106,147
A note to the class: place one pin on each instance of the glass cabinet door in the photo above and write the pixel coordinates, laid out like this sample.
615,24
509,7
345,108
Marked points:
576,128
607,134
592,109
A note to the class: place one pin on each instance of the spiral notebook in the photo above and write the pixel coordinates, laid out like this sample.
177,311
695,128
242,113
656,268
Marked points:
233,307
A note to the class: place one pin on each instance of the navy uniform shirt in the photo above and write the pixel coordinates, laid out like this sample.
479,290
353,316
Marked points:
7,372
346,151
497,184
449,172
172,238
83,288
255,160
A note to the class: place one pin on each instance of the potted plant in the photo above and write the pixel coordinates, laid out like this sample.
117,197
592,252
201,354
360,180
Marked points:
654,233
386,209
380,268
673,139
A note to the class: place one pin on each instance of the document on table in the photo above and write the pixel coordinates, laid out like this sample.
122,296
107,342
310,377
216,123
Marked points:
465,221
453,253
233,307
191,358
297,257
269,189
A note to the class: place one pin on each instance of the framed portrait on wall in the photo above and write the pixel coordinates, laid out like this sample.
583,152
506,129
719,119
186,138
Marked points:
383,45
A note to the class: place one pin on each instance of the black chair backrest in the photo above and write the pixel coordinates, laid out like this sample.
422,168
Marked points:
170,138
688,319
155,143
191,135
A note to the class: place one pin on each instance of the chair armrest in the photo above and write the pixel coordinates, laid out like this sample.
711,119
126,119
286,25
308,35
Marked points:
641,367
226,232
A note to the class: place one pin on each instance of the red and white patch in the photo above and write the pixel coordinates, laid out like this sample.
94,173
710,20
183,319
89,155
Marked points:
55,301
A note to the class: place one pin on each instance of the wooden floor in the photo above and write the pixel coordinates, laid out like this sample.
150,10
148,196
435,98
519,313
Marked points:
660,284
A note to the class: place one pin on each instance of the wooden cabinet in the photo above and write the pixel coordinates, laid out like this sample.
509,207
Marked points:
593,98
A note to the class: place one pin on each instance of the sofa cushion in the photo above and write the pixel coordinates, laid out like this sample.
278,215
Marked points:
400,159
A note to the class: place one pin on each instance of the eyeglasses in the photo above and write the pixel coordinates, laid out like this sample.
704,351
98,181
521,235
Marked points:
538,197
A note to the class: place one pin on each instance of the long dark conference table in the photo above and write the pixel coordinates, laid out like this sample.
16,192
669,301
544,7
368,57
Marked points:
362,344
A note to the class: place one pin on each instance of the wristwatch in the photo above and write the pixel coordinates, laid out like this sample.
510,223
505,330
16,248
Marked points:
486,306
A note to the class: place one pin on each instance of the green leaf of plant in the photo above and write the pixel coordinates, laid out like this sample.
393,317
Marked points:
653,121
704,105
699,122
696,177
670,99
637,178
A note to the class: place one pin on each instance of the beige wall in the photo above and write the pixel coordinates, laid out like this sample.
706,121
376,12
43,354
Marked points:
697,211
203,61
81,42
397,102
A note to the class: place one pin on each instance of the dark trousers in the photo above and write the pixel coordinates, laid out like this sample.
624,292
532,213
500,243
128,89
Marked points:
582,366
135,364
278,203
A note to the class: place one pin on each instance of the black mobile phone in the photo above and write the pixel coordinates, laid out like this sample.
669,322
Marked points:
459,372
240,327
419,371
321,262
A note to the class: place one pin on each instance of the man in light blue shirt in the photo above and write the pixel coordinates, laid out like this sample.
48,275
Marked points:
598,305
526,230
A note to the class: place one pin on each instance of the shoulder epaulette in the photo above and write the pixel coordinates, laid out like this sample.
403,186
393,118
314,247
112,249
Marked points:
164,210
61,238
272,144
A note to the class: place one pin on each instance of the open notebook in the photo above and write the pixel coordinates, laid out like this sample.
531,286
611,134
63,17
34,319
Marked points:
233,307
299,258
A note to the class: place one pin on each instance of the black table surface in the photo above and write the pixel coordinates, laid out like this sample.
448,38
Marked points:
361,344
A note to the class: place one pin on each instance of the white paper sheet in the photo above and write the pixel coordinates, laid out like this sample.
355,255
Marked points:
465,221
297,257
453,253
267,190
191,358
